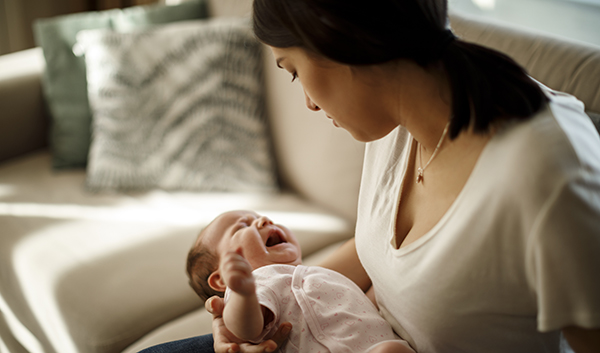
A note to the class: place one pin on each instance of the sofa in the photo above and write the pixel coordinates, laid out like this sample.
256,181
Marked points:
104,272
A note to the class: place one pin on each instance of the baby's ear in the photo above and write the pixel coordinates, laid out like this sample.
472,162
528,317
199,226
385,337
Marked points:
215,281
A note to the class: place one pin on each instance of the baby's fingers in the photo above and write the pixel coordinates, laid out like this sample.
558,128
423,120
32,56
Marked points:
237,267
237,274
241,284
234,256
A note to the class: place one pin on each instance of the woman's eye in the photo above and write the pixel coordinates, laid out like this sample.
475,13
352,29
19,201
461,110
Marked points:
294,76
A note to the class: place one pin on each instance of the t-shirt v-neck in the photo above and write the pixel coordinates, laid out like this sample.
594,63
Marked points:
398,249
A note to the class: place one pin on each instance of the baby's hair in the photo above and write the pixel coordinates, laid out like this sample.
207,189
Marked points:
201,262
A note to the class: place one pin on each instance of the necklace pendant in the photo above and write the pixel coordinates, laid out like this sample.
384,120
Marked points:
419,175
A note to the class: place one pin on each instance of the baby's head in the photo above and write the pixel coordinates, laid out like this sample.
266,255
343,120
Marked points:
263,243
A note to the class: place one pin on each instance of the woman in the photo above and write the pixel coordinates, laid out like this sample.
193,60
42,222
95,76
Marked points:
479,211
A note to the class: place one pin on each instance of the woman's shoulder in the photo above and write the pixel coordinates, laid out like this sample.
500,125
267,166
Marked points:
559,136
555,147
577,129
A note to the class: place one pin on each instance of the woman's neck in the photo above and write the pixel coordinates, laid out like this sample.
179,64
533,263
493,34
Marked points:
423,103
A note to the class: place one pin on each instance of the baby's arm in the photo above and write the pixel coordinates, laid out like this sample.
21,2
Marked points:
243,315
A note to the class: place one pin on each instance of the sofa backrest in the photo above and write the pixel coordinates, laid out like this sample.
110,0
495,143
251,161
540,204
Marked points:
560,64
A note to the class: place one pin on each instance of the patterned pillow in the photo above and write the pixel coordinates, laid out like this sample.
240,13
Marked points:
178,107
64,83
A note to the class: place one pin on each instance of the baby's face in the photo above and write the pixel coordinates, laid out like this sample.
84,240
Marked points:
263,243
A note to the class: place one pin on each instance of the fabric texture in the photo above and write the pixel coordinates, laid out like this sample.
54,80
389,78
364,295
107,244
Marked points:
328,311
515,257
178,107
64,81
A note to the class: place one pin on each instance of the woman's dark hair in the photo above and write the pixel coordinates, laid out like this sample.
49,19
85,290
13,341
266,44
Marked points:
486,84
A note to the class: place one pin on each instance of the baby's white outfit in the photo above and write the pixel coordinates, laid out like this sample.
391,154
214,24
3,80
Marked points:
328,311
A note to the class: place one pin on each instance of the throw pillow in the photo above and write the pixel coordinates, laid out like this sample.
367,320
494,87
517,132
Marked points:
64,82
178,107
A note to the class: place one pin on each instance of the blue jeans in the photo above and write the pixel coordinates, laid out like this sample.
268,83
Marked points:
198,344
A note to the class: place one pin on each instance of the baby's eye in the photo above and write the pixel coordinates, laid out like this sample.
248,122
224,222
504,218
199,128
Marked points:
241,224
239,227
294,76
247,221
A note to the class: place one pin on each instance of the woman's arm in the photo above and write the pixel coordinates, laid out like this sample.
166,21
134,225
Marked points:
345,261
583,340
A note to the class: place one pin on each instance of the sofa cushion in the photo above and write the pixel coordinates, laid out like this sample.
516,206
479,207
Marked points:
93,273
179,107
64,82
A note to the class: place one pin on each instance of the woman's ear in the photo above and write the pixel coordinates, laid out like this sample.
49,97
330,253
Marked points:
215,281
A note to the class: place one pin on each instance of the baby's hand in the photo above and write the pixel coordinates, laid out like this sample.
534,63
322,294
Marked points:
237,273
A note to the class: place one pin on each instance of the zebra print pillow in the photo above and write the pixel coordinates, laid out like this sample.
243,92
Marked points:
178,107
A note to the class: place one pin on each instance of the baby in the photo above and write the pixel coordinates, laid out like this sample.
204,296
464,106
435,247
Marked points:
256,265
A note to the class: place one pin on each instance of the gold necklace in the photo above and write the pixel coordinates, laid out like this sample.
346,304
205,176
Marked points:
421,170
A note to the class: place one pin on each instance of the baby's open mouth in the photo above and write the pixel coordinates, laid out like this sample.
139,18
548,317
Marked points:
275,238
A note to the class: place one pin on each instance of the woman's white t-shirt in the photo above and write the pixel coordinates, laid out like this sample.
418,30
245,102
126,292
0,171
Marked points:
517,255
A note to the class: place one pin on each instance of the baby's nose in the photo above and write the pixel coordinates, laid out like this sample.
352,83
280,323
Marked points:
262,221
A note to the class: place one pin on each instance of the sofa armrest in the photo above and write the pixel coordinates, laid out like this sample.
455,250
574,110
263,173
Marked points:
23,117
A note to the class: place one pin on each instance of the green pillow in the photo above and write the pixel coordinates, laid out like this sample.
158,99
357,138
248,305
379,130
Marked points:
64,83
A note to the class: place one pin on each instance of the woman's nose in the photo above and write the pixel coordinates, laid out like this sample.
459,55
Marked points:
310,104
262,221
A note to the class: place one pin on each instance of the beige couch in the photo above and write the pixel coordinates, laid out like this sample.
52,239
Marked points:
105,273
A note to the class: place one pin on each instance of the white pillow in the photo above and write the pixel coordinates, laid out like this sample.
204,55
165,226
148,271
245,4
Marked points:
178,107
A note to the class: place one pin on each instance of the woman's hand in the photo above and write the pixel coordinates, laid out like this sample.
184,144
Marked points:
226,342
